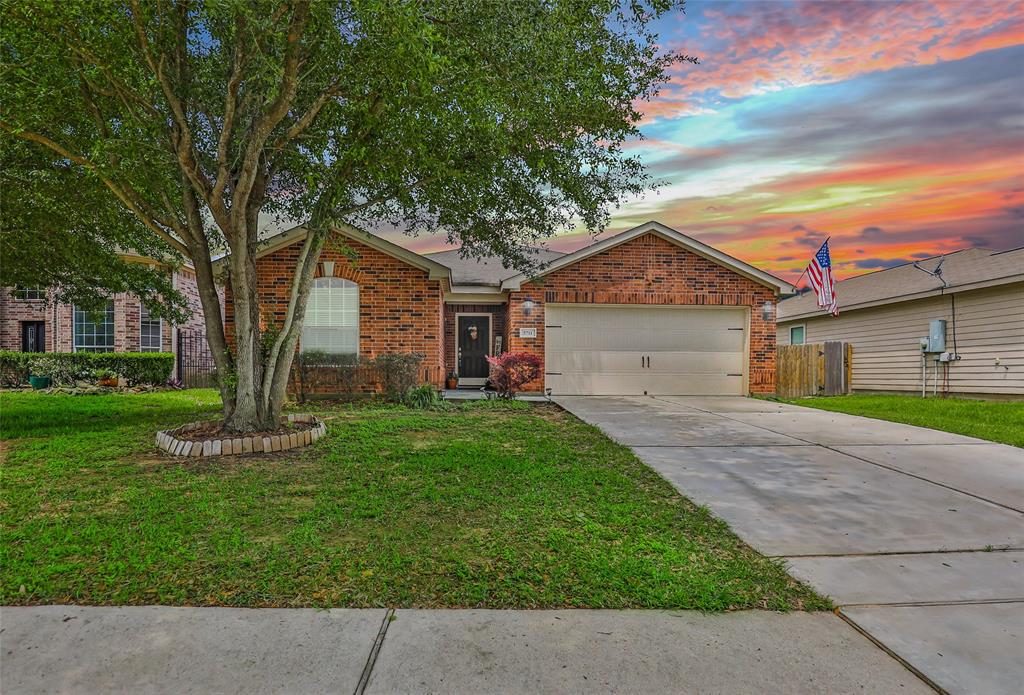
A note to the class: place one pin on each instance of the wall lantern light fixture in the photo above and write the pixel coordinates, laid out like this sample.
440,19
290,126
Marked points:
767,311
528,305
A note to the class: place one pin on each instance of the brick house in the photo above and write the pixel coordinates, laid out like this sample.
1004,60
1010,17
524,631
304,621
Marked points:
30,323
647,311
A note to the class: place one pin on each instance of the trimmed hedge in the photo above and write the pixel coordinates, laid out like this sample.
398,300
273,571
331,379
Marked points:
151,368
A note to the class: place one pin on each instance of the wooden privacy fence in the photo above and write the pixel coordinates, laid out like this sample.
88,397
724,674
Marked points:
816,369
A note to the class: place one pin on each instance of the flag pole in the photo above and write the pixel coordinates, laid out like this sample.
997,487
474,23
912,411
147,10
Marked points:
805,269
795,284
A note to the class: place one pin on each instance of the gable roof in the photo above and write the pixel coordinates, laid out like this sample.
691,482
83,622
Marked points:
689,243
279,240
962,270
487,270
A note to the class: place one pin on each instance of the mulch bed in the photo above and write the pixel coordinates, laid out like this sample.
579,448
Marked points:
213,430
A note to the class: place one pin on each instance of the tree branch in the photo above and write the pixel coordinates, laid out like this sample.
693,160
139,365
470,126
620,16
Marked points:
277,110
181,141
230,106
387,196
125,193
306,120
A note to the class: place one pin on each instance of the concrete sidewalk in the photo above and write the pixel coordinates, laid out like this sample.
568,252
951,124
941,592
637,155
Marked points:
915,533
72,649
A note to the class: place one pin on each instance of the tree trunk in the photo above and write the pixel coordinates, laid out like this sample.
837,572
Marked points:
248,413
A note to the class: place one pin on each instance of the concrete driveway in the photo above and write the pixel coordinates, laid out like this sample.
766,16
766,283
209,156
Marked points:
917,534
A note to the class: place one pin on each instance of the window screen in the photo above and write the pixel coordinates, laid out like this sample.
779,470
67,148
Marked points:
796,335
332,317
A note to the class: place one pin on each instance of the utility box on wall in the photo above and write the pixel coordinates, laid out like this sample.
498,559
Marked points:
936,335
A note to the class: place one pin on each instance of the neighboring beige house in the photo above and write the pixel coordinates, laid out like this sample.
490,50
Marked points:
979,293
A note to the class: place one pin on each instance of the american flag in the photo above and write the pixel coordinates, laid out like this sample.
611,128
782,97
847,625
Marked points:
819,272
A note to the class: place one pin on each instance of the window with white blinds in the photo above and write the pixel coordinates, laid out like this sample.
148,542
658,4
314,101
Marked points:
332,317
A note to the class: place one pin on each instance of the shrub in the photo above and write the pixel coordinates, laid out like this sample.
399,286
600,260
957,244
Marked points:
510,371
14,368
423,397
318,371
63,368
151,368
396,372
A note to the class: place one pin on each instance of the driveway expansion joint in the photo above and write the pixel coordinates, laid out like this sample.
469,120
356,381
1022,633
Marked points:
371,659
906,664
912,604
884,553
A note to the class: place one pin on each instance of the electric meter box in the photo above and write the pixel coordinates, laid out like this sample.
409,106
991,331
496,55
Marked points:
937,335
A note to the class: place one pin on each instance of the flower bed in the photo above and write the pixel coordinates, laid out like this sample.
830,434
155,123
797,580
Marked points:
303,430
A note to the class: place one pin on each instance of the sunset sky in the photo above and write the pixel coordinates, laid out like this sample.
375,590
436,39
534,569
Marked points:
895,128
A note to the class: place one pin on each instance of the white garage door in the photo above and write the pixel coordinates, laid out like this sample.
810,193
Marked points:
635,350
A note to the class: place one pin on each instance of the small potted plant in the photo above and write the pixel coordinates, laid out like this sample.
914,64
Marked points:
452,382
39,381
105,377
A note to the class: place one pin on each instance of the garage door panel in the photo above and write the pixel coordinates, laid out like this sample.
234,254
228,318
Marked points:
664,339
626,350
696,362
583,316
595,361
623,384
659,362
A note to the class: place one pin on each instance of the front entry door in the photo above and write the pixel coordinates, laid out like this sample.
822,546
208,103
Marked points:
474,341
33,336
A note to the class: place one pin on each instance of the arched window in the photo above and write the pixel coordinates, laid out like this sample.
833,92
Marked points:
332,317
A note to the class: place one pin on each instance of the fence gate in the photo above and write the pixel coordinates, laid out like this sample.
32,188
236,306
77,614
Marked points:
816,369
196,368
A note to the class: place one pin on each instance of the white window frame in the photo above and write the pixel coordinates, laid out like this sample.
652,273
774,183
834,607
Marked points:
29,294
76,347
803,339
345,283
160,331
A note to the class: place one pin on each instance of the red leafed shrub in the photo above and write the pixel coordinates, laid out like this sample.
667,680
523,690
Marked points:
511,370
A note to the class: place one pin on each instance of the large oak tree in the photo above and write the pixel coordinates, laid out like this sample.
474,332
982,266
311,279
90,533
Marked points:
498,122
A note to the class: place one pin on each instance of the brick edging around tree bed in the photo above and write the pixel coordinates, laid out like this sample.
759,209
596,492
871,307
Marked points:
226,446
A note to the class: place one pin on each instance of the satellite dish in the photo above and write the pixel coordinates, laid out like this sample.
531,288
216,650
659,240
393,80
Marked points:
937,273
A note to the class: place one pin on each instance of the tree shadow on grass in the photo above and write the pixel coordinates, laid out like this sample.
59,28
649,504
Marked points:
27,415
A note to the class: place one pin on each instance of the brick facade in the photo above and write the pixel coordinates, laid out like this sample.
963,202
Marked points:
401,309
13,311
59,319
649,270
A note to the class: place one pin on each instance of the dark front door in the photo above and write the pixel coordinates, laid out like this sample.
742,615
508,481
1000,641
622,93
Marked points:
33,336
474,341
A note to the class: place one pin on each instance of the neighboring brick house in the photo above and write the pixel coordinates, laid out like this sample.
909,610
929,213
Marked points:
647,311
30,323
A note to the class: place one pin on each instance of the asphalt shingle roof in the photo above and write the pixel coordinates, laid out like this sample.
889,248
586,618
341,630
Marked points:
964,267
488,270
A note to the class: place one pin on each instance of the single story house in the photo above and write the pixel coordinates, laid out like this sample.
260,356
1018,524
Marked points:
978,293
647,311
30,323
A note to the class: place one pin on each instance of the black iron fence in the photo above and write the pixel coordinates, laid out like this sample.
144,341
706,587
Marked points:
196,368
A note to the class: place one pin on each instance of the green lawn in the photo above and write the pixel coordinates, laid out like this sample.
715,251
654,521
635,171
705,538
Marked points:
996,421
489,505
